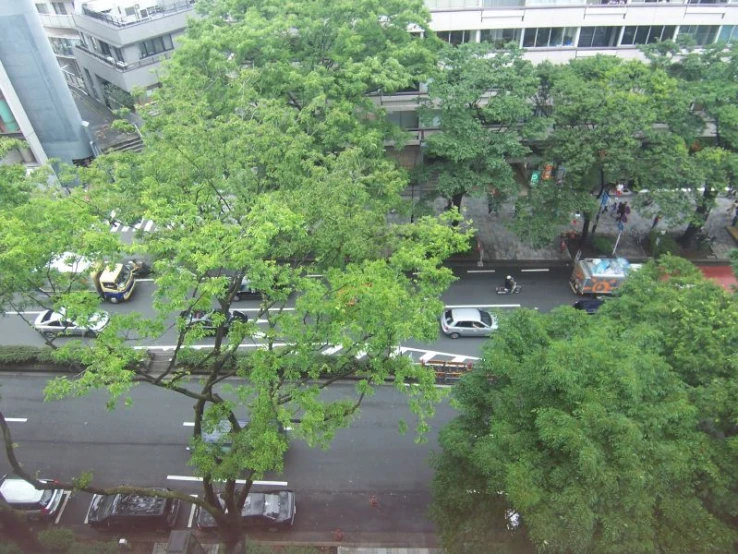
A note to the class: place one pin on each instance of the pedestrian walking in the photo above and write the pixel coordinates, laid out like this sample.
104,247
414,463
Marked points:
621,211
656,221
735,216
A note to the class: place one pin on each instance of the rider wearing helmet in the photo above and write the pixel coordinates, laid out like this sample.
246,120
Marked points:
509,283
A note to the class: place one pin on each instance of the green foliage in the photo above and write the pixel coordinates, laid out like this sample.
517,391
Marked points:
480,130
63,541
25,354
604,245
661,244
607,434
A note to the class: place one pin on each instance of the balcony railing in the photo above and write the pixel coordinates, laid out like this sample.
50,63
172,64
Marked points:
442,5
122,67
162,9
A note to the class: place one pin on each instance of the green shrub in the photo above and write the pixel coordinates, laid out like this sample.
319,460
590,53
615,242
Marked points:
604,245
663,244
25,354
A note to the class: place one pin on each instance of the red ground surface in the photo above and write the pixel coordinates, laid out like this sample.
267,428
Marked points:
721,274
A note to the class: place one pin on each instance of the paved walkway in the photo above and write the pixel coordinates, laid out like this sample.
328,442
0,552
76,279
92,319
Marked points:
501,244
385,550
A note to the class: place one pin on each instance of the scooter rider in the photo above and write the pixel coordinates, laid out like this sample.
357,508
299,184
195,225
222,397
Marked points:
510,283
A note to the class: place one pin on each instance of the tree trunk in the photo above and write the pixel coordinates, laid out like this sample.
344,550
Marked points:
698,221
599,211
585,231
232,537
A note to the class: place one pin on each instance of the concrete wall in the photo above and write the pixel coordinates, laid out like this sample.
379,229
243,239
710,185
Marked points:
41,101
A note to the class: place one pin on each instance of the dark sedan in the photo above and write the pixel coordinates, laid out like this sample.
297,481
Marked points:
270,510
210,320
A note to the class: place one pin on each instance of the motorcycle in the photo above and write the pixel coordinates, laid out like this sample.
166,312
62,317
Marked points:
139,268
504,290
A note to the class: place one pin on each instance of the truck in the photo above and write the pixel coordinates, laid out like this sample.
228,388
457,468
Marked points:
113,282
600,275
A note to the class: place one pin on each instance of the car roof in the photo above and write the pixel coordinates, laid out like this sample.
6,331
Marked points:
20,490
465,314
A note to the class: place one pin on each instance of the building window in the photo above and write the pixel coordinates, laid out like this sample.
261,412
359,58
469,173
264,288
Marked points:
598,37
501,37
701,34
647,34
405,120
59,8
549,37
156,45
457,37
42,8
503,3
728,33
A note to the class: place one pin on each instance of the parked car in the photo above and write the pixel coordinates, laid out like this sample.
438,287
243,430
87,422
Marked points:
246,291
206,319
270,510
468,322
53,324
133,511
36,504
589,306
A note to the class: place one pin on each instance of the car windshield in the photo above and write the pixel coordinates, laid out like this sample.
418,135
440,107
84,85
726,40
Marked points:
46,497
123,276
271,506
486,318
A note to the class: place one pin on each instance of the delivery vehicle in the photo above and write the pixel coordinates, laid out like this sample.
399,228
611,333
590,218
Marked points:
114,282
600,275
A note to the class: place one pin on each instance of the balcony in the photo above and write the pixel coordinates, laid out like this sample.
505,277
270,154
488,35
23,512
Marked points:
122,67
449,5
58,21
121,30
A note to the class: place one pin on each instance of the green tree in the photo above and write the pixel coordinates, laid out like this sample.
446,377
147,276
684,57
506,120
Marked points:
479,100
606,115
264,159
707,77
606,433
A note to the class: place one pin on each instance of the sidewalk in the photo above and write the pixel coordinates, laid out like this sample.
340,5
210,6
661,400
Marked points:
500,244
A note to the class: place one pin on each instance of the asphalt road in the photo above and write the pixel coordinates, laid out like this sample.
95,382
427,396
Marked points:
543,288
145,444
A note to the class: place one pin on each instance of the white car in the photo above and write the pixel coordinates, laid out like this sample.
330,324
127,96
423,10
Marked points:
52,324
468,322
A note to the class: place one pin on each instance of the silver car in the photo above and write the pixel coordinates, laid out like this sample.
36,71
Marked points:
40,505
52,324
468,322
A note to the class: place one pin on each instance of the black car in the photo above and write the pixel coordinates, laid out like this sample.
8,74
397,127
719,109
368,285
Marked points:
133,511
206,319
246,291
270,510
590,306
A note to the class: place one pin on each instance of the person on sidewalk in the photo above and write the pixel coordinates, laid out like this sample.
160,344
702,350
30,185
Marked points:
656,221
734,210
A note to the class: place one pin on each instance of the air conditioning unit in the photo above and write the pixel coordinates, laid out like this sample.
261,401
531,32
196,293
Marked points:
110,59
121,64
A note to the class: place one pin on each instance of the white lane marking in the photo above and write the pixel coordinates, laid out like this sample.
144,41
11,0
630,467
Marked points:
192,512
482,306
360,354
543,270
238,481
315,275
125,229
480,270
16,419
427,356
24,313
149,225
332,350
438,386
188,423
66,495
138,225
259,309
167,348
406,350
147,280
459,359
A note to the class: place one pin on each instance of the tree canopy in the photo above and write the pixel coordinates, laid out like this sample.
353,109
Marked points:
606,433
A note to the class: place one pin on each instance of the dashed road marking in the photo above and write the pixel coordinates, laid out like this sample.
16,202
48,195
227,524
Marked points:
16,419
480,270
451,307
542,270
192,513
332,350
24,313
188,423
427,356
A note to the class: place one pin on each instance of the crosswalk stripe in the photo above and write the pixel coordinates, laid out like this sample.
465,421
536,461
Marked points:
115,227
332,350
125,229
427,356
138,225
149,225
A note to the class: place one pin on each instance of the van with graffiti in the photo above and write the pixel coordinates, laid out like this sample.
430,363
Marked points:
600,275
